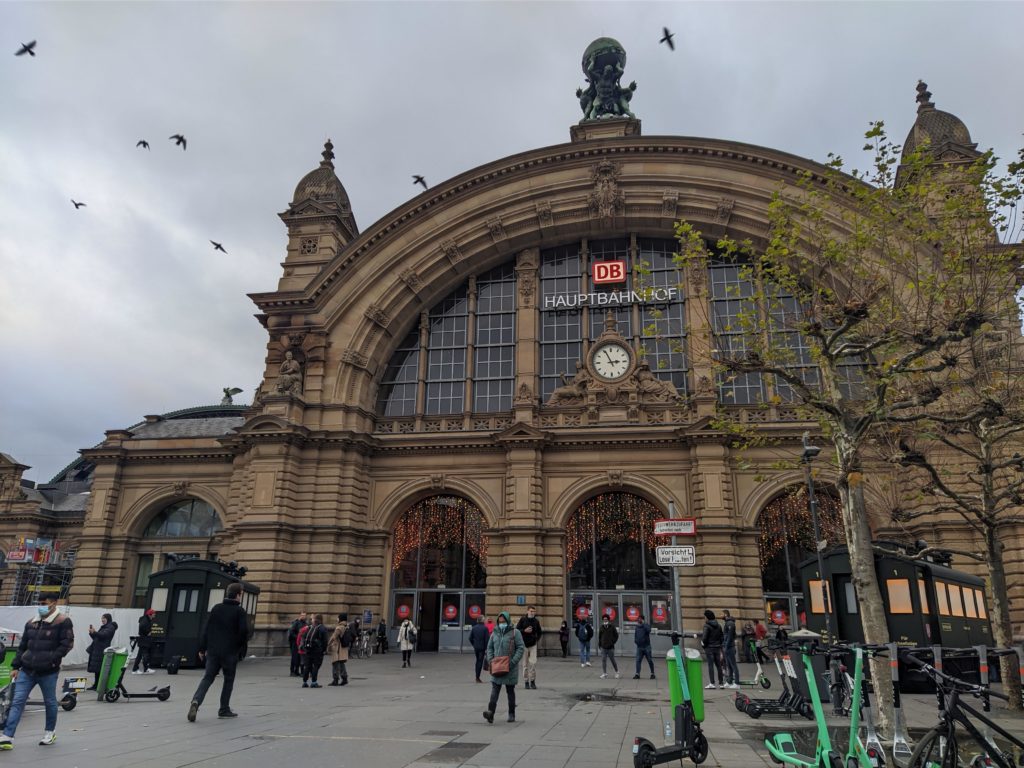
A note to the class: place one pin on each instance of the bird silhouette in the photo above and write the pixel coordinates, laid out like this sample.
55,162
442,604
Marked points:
667,38
417,179
142,143
217,246
179,140
27,48
77,205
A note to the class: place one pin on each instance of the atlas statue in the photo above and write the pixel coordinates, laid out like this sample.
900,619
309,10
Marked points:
603,64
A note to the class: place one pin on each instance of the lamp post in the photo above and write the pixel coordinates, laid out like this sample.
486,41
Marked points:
810,452
678,608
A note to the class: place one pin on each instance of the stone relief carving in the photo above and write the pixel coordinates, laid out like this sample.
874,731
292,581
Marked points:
289,375
377,315
451,249
652,389
527,287
641,387
544,215
352,357
496,228
669,203
607,199
572,392
181,487
410,278
723,211
615,478
525,394
437,482
705,387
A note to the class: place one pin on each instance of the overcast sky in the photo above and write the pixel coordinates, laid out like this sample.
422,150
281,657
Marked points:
122,308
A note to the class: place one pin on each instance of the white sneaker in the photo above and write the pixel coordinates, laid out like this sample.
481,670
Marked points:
589,664
582,665
709,686
617,675
6,742
137,672
48,738
604,675
149,672
734,685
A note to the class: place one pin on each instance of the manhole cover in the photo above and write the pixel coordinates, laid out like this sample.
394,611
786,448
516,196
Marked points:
453,751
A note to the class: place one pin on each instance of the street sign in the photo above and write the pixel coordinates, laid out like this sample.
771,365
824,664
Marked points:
677,555
679,526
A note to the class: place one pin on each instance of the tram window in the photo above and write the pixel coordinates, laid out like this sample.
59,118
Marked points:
982,614
956,603
922,592
972,612
899,596
216,598
940,596
851,598
159,601
816,602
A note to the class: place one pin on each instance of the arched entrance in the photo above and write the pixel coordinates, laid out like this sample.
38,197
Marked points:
786,538
611,563
439,571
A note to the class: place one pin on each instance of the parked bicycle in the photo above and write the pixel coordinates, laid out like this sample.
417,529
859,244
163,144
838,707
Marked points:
363,646
957,741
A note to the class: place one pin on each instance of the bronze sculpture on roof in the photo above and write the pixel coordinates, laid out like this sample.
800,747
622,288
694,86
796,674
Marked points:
603,63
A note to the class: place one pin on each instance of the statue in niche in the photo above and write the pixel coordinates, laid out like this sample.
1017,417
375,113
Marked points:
289,376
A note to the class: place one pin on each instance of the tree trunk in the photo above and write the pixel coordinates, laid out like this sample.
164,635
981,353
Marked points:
1009,666
865,577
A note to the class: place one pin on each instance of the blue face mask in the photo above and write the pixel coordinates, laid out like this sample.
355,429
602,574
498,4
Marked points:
44,610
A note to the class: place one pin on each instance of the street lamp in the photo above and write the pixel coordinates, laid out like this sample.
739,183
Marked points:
810,452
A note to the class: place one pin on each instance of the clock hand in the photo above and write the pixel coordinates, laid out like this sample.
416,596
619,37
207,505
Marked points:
606,354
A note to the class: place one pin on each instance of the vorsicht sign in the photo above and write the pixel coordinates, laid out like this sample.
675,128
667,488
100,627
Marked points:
610,298
680,526
682,556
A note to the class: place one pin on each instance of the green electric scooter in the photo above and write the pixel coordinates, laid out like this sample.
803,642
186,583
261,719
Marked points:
859,754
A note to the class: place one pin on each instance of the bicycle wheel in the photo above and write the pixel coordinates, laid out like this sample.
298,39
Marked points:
934,751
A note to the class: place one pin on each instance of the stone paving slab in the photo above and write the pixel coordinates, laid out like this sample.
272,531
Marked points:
428,716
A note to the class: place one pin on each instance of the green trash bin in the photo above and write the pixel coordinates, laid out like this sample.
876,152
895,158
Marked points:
114,660
694,679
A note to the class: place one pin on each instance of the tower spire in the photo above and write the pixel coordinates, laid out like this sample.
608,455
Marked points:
328,153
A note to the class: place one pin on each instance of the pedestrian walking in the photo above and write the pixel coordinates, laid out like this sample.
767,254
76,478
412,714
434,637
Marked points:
382,637
732,669
101,640
221,645
505,641
711,640
45,641
607,637
642,638
563,638
407,637
746,642
529,628
144,643
314,645
584,633
293,644
478,637
760,634
337,646
490,626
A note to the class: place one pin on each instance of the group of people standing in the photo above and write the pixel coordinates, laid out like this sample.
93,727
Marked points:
719,643
607,639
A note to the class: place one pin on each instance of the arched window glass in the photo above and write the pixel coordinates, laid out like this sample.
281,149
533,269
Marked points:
440,541
188,518
610,544
787,530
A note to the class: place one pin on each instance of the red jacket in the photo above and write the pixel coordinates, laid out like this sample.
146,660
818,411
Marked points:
298,639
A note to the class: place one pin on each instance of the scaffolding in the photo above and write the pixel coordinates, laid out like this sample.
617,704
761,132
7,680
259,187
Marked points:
33,581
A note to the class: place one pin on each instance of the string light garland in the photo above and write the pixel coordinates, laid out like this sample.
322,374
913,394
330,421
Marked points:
437,523
797,525
613,517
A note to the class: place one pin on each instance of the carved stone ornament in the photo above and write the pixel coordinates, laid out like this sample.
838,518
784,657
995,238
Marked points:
697,276
527,287
607,199
705,387
181,487
293,339
496,228
544,215
524,395
528,259
669,203
410,278
289,376
377,315
615,478
352,357
451,249
437,482
723,211
651,389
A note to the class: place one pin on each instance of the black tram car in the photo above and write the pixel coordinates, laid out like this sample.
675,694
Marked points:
182,596
927,602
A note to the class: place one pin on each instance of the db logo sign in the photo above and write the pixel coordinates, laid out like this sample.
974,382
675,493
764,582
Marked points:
403,611
582,612
609,272
632,613
474,612
450,612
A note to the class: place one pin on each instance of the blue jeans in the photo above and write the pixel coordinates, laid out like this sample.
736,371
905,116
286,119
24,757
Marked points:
22,687
644,652
584,653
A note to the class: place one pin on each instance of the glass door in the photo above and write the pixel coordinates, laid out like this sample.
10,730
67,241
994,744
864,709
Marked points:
450,627
632,607
581,609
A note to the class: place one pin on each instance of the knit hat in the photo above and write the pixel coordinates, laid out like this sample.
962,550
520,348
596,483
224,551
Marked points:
150,612
709,614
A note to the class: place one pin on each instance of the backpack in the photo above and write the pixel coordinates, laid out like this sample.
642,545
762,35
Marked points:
346,638
312,640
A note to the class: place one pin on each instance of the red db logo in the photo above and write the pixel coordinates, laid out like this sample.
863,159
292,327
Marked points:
582,612
403,611
609,272
450,612
474,612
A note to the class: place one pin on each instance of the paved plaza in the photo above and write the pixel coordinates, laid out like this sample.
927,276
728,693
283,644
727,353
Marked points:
427,716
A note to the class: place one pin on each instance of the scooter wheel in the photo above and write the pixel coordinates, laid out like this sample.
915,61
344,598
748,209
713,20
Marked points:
172,665
741,701
699,750
69,702
644,757
112,695
752,710
807,711
765,683
163,694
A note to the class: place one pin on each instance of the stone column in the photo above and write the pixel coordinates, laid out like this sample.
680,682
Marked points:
526,393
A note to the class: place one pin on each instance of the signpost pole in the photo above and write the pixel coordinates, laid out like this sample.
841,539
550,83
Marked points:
677,608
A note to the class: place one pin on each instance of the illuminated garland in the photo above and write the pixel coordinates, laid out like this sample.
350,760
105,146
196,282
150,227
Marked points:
614,517
797,524
440,522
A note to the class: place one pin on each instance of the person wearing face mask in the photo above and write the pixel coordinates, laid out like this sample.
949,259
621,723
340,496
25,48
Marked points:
606,640
529,627
506,640
46,640
101,640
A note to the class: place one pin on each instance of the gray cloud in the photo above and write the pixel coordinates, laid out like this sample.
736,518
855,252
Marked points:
123,308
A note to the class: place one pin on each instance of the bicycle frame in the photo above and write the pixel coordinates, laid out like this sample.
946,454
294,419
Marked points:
953,714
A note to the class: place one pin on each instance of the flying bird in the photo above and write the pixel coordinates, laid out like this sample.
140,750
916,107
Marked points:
27,48
77,205
179,140
217,246
417,179
667,38
142,143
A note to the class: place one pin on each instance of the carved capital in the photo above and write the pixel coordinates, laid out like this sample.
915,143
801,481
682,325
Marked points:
411,279
496,229
377,315
452,251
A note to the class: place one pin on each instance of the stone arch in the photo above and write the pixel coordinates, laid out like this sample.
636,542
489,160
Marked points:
138,516
396,503
586,487
767,491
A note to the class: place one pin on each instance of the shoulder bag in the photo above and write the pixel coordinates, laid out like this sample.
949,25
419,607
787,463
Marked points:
500,665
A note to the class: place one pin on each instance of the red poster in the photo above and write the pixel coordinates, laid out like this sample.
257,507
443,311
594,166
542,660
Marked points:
659,614
582,612
450,612
780,617
403,612
474,612
632,613
610,612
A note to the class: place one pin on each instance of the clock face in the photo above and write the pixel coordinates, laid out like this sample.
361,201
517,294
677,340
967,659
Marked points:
611,361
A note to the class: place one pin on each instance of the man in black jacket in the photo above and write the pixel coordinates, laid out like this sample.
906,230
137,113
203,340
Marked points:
293,635
711,638
529,628
145,643
478,637
222,643
44,643
732,669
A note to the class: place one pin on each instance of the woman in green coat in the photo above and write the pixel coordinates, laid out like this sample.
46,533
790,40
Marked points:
505,641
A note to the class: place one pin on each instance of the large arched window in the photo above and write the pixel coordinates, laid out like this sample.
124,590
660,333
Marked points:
610,544
188,518
440,543
787,535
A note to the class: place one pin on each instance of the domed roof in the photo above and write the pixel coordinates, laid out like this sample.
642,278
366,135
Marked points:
935,126
322,183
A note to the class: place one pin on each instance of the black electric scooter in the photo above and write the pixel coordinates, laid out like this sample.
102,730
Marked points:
118,690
